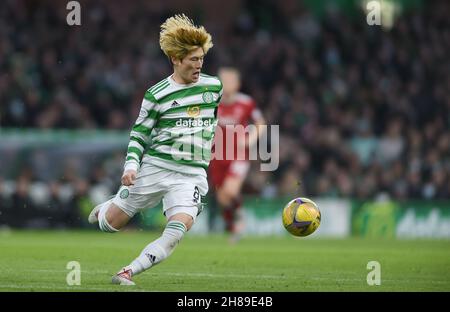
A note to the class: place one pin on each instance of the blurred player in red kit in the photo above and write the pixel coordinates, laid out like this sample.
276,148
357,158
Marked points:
230,165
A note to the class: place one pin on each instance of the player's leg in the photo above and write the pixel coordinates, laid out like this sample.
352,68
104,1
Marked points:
216,177
229,197
124,277
110,216
218,171
114,218
214,211
158,250
184,198
117,212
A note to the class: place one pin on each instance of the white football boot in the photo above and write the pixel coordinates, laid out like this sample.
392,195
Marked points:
123,277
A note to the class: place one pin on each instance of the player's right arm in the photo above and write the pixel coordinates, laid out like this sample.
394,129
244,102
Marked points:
139,137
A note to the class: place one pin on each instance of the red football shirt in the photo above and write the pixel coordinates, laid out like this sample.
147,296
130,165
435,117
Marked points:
232,119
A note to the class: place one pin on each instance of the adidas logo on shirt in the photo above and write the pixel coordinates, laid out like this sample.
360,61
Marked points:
174,104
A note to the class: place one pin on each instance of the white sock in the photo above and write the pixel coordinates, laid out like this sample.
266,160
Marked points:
160,248
102,222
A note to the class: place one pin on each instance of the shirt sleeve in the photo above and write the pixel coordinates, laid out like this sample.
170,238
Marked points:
255,113
140,133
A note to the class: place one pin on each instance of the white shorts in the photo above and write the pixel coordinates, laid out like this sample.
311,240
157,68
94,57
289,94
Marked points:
180,192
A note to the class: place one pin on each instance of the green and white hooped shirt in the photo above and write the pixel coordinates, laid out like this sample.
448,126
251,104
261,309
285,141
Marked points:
176,125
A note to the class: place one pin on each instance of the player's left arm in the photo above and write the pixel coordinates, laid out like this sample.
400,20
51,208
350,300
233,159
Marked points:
139,136
260,123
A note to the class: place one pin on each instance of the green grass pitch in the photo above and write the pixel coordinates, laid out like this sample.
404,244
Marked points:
36,261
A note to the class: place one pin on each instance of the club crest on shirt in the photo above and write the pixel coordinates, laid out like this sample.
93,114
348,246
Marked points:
193,111
208,97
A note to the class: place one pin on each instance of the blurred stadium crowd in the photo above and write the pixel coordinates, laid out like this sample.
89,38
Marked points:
362,111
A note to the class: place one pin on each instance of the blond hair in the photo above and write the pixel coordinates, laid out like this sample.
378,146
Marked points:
179,36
